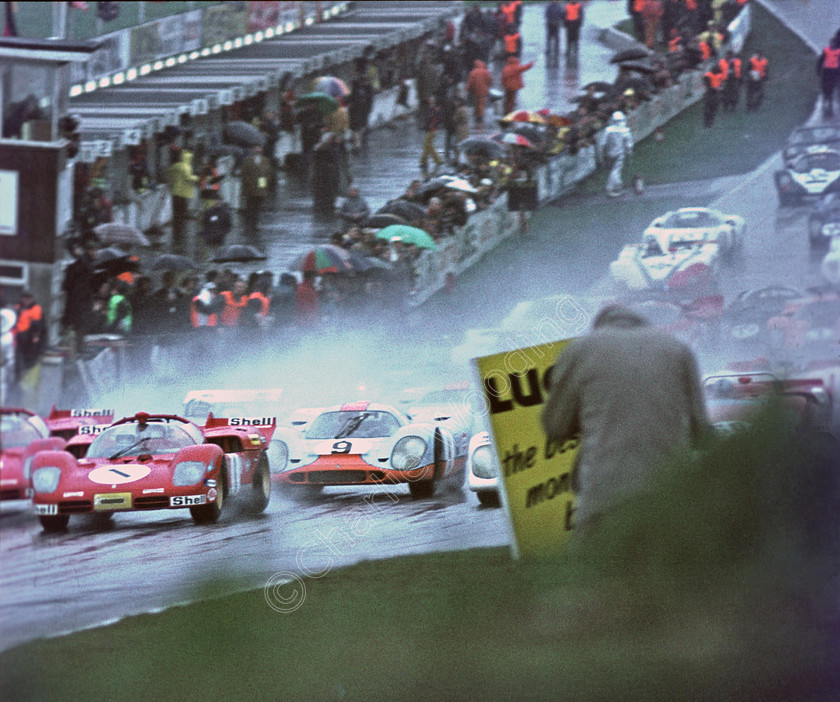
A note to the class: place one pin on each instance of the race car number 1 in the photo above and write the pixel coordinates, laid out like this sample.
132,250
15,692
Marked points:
341,447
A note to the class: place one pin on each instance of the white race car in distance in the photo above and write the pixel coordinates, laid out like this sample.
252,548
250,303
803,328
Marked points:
483,470
809,176
679,250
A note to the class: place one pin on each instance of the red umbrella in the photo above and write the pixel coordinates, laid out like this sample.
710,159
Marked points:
515,140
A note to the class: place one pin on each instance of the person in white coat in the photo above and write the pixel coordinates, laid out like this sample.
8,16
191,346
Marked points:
617,146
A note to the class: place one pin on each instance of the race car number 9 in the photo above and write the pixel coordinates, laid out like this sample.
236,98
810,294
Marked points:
341,447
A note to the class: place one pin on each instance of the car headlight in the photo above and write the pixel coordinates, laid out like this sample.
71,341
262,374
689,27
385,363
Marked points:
831,229
408,452
482,463
188,473
46,479
278,456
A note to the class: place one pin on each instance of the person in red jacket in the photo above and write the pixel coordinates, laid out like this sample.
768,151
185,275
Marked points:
828,68
512,81
756,77
479,82
732,84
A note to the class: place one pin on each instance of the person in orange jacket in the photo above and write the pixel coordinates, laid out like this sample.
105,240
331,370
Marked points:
572,20
479,82
756,77
512,81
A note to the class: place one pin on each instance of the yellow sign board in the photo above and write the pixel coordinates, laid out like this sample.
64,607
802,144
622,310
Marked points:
535,482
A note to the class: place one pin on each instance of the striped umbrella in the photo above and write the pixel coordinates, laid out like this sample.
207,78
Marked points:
332,86
326,258
524,116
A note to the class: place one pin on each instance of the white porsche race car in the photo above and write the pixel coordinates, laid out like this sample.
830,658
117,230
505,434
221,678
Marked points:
680,250
366,443
809,176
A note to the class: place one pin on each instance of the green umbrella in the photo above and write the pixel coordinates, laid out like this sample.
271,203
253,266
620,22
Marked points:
325,104
407,235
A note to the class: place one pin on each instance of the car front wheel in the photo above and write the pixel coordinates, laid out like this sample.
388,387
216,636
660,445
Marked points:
53,523
262,486
210,513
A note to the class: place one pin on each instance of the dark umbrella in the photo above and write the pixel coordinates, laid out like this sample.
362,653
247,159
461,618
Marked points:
173,262
639,67
383,219
403,208
325,104
630,55
244,134
238,253
113,261
481,146
109,254
119,233
430,187
600,86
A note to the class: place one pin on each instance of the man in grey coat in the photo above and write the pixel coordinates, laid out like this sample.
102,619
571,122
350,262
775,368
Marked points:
633,394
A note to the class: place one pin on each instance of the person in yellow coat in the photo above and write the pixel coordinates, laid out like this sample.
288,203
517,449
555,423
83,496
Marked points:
181,180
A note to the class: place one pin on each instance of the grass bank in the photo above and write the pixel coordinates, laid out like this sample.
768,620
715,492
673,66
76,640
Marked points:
738,142
714,585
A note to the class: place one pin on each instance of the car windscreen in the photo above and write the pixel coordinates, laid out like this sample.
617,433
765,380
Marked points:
16,431
134,439
824,161
814,136
355,424
691,220
444,397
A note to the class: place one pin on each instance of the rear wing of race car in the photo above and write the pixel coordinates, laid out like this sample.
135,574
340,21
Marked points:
264,425
69,422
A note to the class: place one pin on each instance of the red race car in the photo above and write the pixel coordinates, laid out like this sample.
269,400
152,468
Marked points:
154,461
19,429
68,423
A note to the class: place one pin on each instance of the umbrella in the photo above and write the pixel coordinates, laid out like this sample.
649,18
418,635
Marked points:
524,116
431,186
119,233
332,86
109,254
407,235
325,104
638,66
457,183
238,253
554,120
244,134
631,55
172,262
383,219
326,258
513,139
600,86
403,208
481,146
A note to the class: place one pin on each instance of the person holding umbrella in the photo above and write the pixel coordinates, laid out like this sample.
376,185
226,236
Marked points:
79,289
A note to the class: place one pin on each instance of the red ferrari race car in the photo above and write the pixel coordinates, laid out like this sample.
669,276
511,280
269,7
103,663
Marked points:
154,461
19,429
366,443
68,423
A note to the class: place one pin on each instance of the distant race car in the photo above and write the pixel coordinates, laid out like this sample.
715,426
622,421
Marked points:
19,429
68,423
804,137
198,404
744,320
830,266
824,220
451,407
809,328
680,250
483,470
155,461
365,443
809,176
733,399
